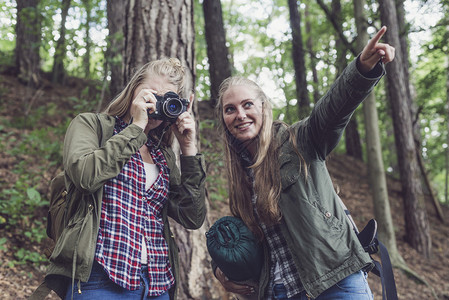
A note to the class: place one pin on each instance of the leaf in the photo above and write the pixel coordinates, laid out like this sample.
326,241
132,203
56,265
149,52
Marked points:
33,195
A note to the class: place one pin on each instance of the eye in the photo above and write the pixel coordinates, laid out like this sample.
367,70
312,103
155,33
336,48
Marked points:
248,104
229,110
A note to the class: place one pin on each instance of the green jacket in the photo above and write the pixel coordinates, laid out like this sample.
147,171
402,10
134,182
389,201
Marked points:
322,241
92,156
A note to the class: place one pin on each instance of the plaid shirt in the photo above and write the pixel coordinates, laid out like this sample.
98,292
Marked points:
278,248
129,215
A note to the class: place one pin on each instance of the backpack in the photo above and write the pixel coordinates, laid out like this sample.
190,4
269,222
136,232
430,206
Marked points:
56,211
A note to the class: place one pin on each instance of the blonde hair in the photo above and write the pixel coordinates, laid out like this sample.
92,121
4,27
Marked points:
267,183
170,68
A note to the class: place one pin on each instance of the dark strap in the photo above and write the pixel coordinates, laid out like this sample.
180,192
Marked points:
369,241
387,272
41,292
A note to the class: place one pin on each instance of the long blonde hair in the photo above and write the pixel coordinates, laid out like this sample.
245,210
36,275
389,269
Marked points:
170,68
267,183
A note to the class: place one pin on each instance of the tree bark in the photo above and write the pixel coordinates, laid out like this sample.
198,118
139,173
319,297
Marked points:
58,71
156,29
217,52
299,64
312,58
28,41
416,221
116,11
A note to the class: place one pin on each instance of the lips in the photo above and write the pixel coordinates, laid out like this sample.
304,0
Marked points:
243,126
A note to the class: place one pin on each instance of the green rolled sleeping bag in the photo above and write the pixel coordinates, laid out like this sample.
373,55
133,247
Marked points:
235,250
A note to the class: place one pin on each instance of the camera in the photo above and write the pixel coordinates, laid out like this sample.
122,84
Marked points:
169,107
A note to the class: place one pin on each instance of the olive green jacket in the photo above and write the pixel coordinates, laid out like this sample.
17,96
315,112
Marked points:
93,155
324,246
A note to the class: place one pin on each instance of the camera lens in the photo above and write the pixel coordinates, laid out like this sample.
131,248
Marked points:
172,107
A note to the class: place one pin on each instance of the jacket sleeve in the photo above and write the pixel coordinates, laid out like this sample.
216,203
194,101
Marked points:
89,165
187,192
325,125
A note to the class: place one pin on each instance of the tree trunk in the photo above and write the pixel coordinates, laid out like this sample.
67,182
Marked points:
352,139
446,181
86,58
416,221
58,71
28,40
376,170
155,29
309,45
298,54
217,51
116,11
352,136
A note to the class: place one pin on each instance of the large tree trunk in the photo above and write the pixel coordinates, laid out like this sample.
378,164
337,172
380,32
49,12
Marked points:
376,170
217,52
58,71
298,55
155,29
416,221
116,11
28,40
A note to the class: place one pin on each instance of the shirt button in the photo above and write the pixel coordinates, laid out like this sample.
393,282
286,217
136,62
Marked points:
143,198
328,214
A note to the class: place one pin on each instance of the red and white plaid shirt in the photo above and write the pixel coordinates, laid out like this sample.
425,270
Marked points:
129,215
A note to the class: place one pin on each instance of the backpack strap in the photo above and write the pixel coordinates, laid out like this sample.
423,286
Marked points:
40,292
370,243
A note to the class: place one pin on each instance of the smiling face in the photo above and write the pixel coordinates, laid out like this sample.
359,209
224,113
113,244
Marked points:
242,112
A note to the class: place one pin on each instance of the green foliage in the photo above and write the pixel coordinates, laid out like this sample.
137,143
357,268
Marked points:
431,74
36,149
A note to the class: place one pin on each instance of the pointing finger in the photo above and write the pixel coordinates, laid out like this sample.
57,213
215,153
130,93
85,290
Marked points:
372,43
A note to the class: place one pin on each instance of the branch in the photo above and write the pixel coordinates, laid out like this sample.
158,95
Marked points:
335,24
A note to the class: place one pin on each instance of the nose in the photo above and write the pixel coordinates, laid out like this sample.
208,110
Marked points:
241,115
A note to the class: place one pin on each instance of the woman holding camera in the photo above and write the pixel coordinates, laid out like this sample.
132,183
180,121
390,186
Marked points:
280,187
119,166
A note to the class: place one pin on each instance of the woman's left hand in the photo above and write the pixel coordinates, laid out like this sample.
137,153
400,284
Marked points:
185,131
375,51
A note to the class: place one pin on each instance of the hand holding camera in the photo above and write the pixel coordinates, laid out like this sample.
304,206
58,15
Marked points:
169,107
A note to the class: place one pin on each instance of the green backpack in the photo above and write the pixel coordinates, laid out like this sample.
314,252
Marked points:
57,208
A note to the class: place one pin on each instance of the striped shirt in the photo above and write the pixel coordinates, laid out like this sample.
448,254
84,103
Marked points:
130,214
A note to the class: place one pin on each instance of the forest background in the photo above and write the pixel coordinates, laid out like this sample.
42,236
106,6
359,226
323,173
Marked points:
60,58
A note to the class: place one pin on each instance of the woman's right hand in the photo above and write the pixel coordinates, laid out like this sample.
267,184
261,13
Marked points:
144,101
231,286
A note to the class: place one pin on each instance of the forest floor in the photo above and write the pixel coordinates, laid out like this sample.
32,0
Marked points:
17,281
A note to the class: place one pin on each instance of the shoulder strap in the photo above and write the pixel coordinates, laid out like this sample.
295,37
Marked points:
370,243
